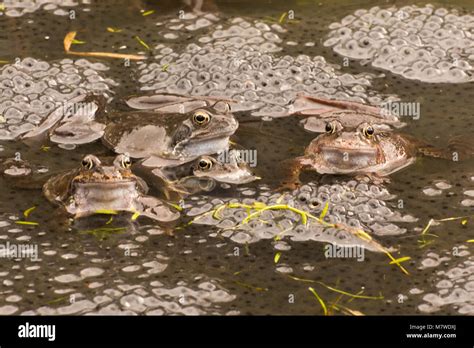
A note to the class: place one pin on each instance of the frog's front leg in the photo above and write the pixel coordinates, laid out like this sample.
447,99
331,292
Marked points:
312,105
175,103
292,169
373,178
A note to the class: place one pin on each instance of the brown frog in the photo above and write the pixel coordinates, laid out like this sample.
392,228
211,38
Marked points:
170,139
204,174
367,150
93,188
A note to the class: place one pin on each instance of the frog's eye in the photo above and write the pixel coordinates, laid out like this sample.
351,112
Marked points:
126,162
330,128
87,163
201,118
205,164
368,131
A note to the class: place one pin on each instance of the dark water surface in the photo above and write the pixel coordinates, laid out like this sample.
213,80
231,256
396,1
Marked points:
195,270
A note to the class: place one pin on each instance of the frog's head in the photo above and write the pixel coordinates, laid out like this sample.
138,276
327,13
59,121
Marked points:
340,150
203,131
92,171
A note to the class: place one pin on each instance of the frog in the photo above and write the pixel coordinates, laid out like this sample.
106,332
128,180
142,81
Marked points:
366,151
165,139
86,118
95,187
204,174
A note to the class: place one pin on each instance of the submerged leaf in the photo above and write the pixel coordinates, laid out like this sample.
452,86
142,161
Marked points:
106,212
323,305
31,223
324,212
335,289
143,43
69,38
277,257
282,17
427,226
401,259
113,30
28,211
350,294
77,42
176,206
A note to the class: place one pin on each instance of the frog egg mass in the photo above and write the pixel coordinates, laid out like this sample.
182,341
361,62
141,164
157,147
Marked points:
31,89
239,60
420,43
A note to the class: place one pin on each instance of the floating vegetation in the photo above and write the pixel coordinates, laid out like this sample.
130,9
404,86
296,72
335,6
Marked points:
114,30
285,18
77,42
143,43
320,300
335,305
106,212
59,300
69,39
342,292
401,259
277,257
256,209
249,286
324,212
28,211
147,13
29,223
424,242
26,214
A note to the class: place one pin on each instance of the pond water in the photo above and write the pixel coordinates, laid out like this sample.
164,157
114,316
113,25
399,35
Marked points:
95,266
